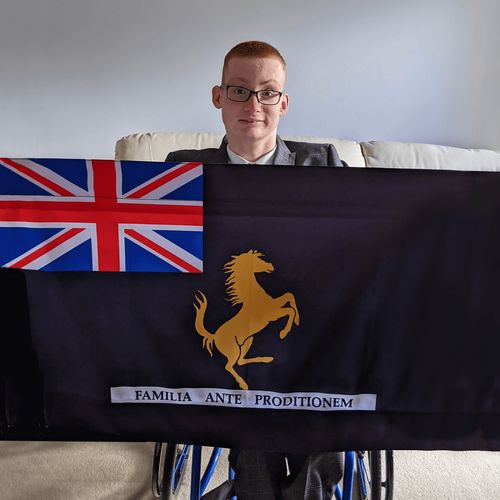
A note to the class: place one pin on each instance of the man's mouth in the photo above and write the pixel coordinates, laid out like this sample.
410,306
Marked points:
249,120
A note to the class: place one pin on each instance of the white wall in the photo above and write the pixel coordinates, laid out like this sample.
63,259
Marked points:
76,75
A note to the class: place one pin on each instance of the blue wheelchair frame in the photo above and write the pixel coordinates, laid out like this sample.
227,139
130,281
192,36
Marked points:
199,481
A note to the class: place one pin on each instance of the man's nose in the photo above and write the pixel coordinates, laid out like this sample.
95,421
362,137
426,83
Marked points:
252,103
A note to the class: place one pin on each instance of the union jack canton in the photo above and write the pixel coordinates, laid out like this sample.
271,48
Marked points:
101,215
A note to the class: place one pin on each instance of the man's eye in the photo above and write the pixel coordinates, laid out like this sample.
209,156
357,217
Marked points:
269,93
239,91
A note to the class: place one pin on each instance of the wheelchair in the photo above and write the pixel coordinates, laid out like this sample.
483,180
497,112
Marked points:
368,475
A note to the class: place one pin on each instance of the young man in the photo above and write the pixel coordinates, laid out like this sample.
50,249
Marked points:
252,100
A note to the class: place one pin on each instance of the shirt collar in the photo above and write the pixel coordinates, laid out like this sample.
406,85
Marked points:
267,159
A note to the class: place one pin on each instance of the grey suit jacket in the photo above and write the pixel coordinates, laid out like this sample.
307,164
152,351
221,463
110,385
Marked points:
287,153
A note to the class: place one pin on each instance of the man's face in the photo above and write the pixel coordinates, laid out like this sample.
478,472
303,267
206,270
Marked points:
251,121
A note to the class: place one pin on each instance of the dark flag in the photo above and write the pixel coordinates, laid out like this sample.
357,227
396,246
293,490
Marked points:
338,309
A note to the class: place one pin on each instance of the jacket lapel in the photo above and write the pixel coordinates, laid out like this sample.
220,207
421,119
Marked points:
283,155
221,154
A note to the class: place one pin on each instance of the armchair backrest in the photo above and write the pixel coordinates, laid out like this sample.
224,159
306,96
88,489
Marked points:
154,146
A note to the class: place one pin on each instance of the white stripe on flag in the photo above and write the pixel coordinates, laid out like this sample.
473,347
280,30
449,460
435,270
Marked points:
52,254
48,174
169,186
176,183
168,245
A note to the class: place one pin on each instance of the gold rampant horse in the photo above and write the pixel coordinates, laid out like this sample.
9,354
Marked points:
234,338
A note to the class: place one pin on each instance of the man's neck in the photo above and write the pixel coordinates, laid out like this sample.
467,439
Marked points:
252,151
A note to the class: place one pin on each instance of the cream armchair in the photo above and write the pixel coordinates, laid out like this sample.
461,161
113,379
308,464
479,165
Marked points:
154,146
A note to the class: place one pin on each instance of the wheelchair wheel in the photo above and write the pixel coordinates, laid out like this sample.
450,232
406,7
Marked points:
382,474
172,464
375,475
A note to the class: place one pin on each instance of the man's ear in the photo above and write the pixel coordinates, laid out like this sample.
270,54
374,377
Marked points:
216,96
284,104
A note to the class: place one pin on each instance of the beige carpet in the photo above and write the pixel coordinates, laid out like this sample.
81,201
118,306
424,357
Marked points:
122,471
75,471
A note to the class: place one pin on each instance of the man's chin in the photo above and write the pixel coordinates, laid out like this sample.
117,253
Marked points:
253,133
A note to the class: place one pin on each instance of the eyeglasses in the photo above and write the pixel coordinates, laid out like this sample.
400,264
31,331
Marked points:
241,94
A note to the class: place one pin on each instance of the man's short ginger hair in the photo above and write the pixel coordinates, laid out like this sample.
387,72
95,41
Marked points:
253,48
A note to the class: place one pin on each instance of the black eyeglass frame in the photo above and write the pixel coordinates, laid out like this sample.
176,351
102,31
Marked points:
251,93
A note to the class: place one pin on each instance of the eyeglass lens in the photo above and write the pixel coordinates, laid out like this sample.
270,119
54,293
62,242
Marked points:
242,94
